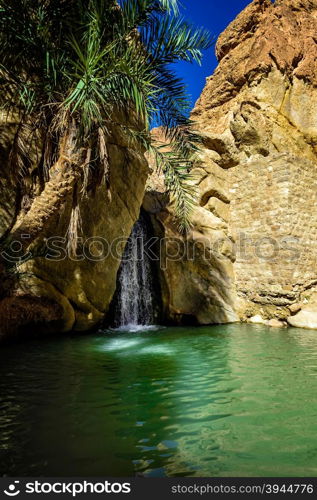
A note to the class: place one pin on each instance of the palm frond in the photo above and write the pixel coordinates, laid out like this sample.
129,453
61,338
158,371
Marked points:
171,39
178,181
92,60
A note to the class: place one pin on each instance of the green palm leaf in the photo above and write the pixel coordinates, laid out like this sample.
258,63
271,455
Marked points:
92,60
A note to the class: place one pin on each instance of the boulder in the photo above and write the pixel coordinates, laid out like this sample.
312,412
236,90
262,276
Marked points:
257,320
304,319
275,323
295,308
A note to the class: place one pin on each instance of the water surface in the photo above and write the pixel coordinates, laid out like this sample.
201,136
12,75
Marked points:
236,400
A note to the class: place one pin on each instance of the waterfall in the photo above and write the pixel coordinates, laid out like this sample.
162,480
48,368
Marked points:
134,301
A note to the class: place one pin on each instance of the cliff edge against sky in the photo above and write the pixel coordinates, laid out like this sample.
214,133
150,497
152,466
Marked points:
257,174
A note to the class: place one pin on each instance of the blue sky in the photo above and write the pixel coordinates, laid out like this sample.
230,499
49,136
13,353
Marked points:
214,15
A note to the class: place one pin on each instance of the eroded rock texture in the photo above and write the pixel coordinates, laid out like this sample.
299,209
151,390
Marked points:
257,175
73,292
259,112
197,279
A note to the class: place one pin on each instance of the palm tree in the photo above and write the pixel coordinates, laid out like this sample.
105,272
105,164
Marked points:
68,70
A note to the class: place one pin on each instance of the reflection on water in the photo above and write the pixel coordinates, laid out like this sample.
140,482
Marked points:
237,400
131,328
119,344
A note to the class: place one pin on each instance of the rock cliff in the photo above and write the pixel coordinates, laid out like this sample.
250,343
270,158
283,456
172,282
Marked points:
257,175
60,292
196,270
251,253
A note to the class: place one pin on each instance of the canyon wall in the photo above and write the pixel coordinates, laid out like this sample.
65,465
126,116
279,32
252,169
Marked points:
257,175
57,292
251,252
196,270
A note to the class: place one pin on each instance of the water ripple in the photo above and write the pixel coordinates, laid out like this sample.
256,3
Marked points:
232,400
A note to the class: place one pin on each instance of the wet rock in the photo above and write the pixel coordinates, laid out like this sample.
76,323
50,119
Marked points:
275,323
304,319
257,320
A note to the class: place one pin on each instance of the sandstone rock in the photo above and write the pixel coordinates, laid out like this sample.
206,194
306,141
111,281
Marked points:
295,308
275,323
89,284
257,320
258,117
74,293
304,319
196,271
307,315
256,174
262,37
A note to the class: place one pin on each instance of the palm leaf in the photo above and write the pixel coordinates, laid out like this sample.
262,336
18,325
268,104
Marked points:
90,61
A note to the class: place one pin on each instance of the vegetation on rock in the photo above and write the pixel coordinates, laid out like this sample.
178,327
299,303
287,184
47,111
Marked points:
70,71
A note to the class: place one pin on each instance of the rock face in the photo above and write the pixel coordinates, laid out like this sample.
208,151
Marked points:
251,254
257,175
196,271
259,115
65,293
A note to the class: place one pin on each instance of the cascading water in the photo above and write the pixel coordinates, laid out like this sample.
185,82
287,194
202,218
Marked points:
135,301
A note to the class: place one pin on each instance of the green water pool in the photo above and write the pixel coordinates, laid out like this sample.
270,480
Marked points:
237,400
